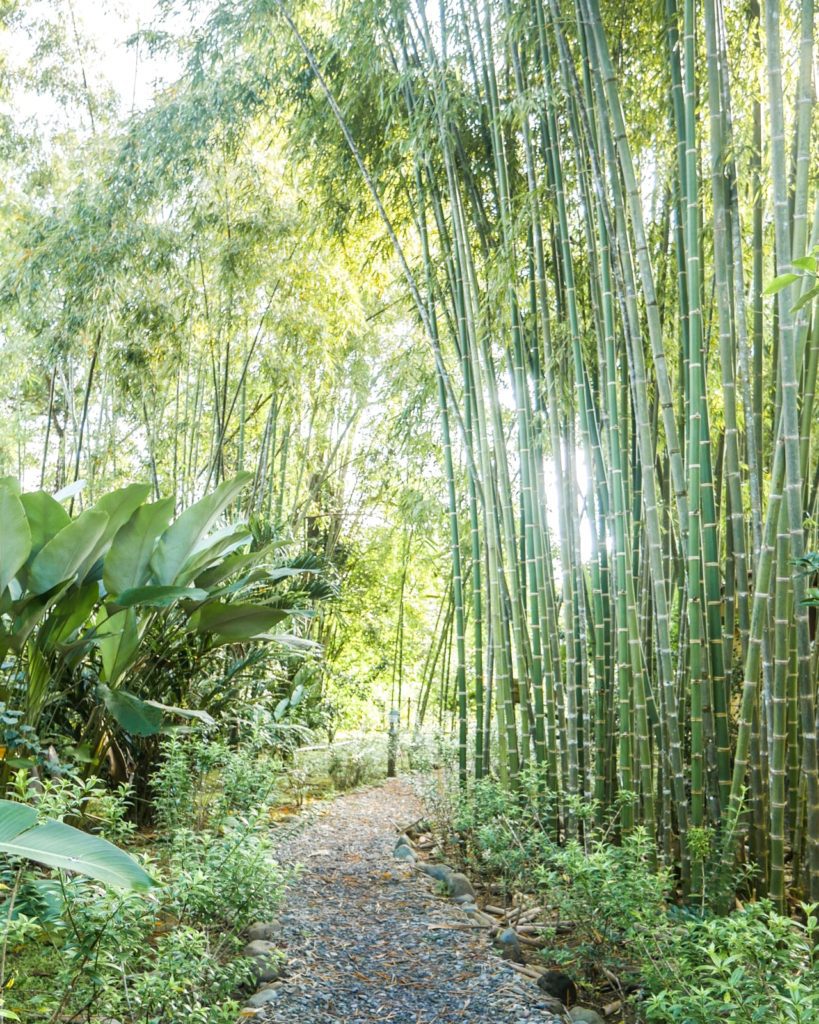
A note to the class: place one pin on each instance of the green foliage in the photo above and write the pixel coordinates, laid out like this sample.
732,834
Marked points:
172,953
58,845
223,878
356,764
200,783
753,967
99,607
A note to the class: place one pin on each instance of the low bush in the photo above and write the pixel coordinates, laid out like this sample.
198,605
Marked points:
76,950
684,965
429,750
353,761
358,764
753,966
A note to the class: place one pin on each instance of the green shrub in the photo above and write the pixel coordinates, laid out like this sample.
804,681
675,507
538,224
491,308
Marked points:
751,967
356,765
78,950
428,750
223,879
87,803
188,984
175,786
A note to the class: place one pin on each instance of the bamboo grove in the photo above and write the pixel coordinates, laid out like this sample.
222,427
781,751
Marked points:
627,415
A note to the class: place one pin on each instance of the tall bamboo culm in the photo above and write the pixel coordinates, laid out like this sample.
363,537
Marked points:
628,422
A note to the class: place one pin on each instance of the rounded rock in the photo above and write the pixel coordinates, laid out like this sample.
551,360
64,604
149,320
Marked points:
509,945
440,872
262,931
559,985
259,947
582,1015
459,885
263,997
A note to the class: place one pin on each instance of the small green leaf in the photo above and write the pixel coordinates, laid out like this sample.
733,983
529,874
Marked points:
803,300
805,263
780,282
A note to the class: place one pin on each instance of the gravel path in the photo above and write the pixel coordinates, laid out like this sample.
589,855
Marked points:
357,931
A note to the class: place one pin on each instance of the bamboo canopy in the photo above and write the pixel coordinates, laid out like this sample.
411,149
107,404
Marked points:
628,418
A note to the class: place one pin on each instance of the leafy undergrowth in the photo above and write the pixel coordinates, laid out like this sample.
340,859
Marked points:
77,951
618,927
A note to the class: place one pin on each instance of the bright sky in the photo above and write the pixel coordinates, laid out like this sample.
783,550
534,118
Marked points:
110,23
106,25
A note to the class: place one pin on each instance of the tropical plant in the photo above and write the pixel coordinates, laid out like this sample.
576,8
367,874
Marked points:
58,845
113,613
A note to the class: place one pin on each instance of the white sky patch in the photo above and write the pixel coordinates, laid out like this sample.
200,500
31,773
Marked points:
100,34
131,70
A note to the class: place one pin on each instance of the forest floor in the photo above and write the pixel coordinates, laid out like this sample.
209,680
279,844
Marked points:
368,939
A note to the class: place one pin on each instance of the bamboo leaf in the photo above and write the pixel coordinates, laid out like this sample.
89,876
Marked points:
803,300
780,282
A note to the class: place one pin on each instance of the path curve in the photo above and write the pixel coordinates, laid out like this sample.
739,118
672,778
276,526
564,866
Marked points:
356,931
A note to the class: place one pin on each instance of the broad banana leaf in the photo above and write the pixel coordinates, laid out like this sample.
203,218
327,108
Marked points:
159,597
179,541
127,562
61,557
212,549
144,717
46,517
118,639
235,623
60,846
119,506
228,566
15,536
134,715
